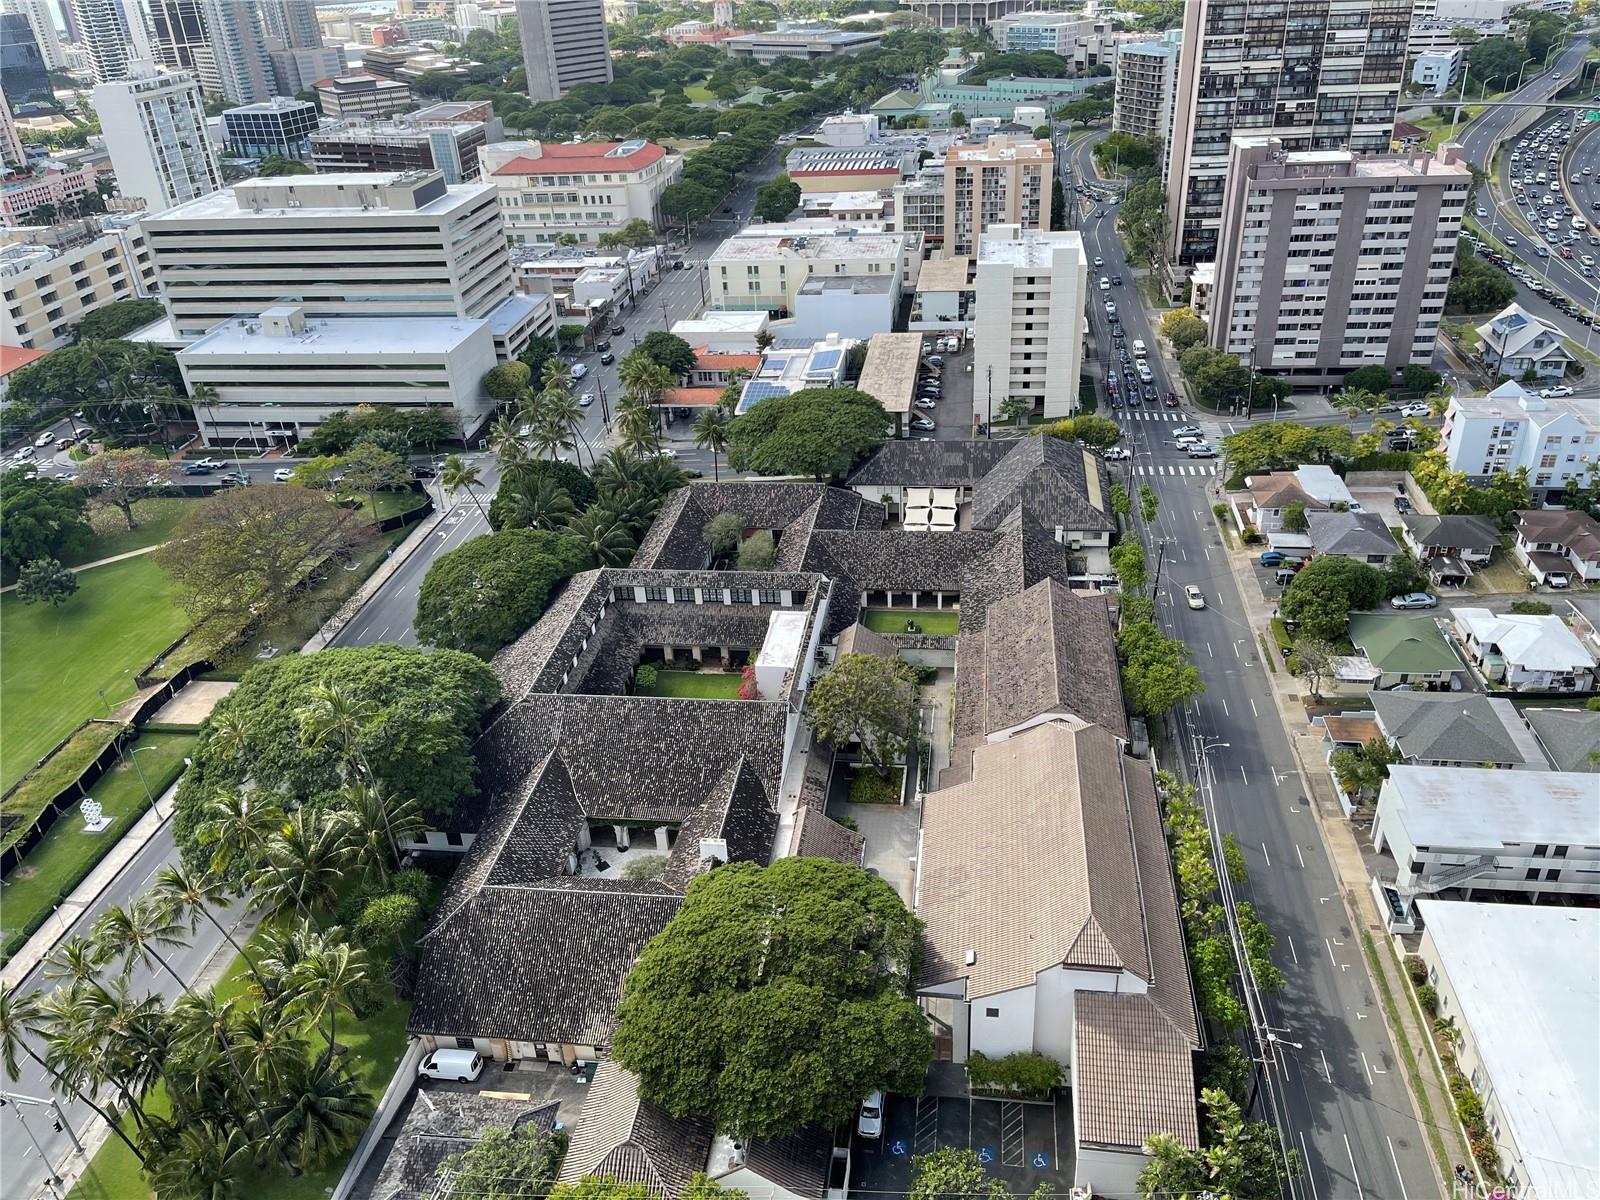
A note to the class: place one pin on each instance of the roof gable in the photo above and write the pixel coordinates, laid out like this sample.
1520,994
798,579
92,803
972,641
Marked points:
632,1140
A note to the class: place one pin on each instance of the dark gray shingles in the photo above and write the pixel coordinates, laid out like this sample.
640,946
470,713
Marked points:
626,1138
1439,727
1447,532
1570,736
913,463
1351,534
1049,478
817,835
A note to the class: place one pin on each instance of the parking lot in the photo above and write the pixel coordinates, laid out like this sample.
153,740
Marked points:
1025,1144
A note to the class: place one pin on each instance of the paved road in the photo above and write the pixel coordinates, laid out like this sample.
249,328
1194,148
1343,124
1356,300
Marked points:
1348,1112
24,1175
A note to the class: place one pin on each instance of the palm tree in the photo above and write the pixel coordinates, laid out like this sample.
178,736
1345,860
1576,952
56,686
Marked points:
138,933
636,427
228,732
615,470
508,444
564,414
187,892
711,433
206,1164
646,381
608,542
326,981
20,1017
544,505
376,822
305,862
1353,400
333,716
102,1036
1439,398
457,475
320,1112
204,1025
77,961
269,1045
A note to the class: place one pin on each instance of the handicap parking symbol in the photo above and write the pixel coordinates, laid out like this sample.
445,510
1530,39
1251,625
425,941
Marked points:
898,1147
1041,1160
986,1154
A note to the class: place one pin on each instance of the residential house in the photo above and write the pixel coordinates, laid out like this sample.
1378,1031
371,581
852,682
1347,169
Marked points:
1533,834
1521,985
1554,438
1570,737
1526,652
713,368
1362,536
1311,486
1466,729
1449,547
1406,649
1517,343
1558,547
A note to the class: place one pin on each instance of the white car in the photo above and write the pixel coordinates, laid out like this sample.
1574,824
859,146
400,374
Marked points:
1201,450
1416,410
283,474
24,452
1193,596
1551,393
1105,284
870,1123
585,400
1187,430
667,452
578,371
44,439
1116,454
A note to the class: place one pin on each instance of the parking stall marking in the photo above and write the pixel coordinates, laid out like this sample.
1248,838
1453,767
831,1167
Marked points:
1013,1153
926,1134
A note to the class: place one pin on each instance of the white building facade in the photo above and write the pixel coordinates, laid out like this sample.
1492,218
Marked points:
764,267
1030,289
155,128
1555,439
548,191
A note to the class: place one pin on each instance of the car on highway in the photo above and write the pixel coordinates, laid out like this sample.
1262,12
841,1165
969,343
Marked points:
1551,393
1482,211
283,475
24,452
1202,450
1193,596
603,344
1105,284
577,371
1111,308
233,479
1116,454
618,329
1172,400
1414,600
1116,281
1098,263
1183,429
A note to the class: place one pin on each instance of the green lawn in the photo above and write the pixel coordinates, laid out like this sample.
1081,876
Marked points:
390,503
38,788
375,1046
697,685
57,659
155,517
66,854
893,620
699,94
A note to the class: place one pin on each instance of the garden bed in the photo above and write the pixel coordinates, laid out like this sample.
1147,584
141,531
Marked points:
868,787
893,620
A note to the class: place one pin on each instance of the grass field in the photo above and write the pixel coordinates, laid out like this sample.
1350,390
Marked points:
375,1045
699,94
697,685
156,518
893,620
389,503
57,659
40,787
66,854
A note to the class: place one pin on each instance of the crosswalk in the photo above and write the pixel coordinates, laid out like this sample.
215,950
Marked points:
1159,414
1208,467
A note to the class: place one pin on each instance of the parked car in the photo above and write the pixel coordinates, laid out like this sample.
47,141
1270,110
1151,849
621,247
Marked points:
870,1123
1193,596
1402,505
935,360
1416,410
1414,600
926,402
1271,558
461,1065
1551,393
925,424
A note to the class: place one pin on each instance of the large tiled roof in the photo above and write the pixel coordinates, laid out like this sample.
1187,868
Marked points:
912,463
1044,650
817,835
1571,527
1024,554
1077,902
1440,727
1133,1073
675,539
539,963
1060,484
623,1137
798,1163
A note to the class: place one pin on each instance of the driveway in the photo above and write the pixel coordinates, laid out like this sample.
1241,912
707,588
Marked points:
891,833
1024,1144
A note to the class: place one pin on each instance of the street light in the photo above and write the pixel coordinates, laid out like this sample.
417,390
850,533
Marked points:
133,757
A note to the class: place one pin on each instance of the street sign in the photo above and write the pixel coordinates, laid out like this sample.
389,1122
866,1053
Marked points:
1592,114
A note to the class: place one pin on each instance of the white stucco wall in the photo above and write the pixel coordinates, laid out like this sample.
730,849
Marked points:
1011,1027
1110,1173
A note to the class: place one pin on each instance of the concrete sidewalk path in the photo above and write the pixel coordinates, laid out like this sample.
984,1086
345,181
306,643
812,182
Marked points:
101,562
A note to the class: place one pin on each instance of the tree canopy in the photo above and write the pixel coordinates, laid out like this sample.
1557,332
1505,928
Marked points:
427,709
1283,445
421,428
868,699
485,593
117,319
45,580
1326,591
776,998
776,199
40,518
820,432
1475,286
518,485
1182,328
668,350
1156,673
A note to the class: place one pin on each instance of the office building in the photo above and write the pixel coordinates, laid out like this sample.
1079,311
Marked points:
550,190
563,44
346,96
1147,77
1438,69
234,63
23,78
1030,290
49,288
281,373
297,71
1052,31
812,45
959,14
425,140
50,183
1556,440
1004,181
38,14
765,267
1319,75
1521,985
380,246
172,31
1327,261
155,128
279,126
103,31
292,24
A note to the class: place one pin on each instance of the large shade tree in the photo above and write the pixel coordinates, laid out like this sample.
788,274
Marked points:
486,592
820,432
776,998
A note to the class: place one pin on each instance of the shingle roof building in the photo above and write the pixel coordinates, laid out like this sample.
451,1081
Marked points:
1570,736
676,541
623,1137
450,1123
1360,536
1432,727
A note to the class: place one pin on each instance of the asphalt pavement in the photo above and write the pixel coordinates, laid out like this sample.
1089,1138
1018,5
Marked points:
1345,1105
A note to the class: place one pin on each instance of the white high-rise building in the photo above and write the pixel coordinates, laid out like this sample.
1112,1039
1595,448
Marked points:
1147,76
1029,297
155,128
44,29
563,44
1317,75
104,33
234,61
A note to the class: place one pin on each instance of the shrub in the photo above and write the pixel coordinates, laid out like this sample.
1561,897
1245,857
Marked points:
748,688
1250,537
868,787
651,866
1531,608
1417,969
1428,997
1219,511
644,679
1026,1072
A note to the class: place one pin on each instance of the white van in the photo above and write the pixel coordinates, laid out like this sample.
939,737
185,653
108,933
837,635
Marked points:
579,370
460,1065
1138,348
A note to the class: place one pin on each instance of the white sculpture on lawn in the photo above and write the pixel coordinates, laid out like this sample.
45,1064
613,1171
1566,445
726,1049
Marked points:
94,819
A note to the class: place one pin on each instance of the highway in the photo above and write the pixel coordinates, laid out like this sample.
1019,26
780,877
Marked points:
1346,1105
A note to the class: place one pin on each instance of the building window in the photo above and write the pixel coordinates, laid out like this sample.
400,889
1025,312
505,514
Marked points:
683,595
770,596
740,595
991,1012
1533,874
655,593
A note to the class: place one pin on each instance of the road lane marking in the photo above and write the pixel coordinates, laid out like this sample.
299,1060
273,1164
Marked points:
1327,1071
1265,855
1305,1157
1209,651
1292,954
1354,1174
1365,1066
1242,775
1300,856
1392,1158
1257,715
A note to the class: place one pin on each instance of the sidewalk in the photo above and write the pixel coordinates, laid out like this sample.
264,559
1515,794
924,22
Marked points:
1434,1108
101,562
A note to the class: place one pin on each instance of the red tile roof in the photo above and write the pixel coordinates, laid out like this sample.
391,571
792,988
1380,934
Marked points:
586,157
13,358
700,397
705,360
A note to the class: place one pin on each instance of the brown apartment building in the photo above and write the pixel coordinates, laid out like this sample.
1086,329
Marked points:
1003,181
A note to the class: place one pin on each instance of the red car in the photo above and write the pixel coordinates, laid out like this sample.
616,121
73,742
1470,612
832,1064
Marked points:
1172,400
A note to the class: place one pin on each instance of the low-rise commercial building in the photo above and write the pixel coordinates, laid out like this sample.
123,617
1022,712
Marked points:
1030,291
551,191
810,45
279,126
1521,985
1555,439
1327,261
1004,181
346,96
48,288
426,140
850,168
54,184
764,267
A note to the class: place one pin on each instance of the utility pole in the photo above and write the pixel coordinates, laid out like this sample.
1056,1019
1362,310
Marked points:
988,430
51,1179
1161,554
